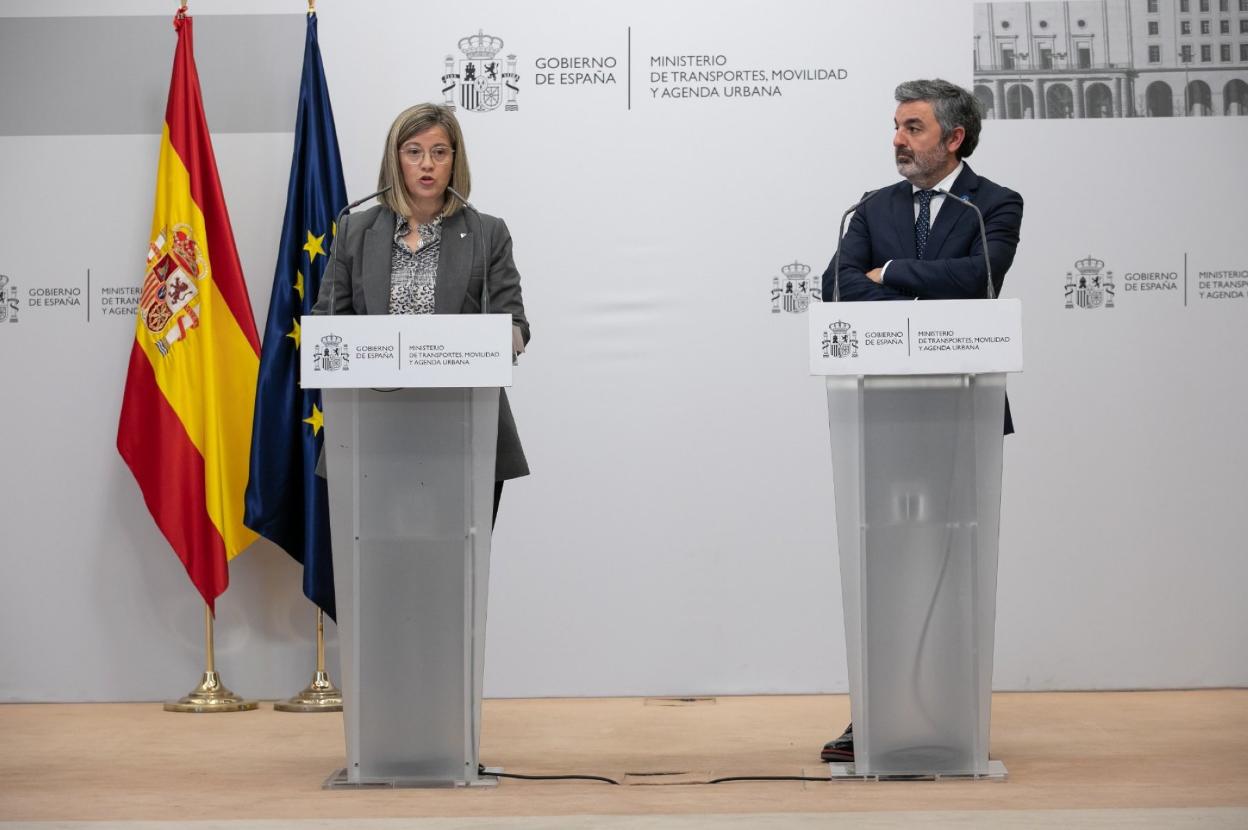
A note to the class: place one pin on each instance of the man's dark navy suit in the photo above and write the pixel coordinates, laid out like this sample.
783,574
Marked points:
952,267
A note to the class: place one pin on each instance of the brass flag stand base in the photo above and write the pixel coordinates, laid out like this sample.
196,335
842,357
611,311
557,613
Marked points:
210,695
321,695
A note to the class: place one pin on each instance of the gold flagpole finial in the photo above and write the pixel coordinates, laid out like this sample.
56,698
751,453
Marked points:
311,6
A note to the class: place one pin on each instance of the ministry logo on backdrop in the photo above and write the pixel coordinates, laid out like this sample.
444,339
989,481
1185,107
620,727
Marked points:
482,80
331,355
792,291
840,340
1091,289
8,301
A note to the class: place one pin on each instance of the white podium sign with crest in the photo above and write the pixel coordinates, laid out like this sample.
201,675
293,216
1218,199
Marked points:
405,350
933,337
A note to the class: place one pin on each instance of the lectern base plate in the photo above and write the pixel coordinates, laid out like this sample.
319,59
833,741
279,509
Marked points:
338,781
996,772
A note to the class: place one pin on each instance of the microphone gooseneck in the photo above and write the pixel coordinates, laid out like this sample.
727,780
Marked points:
333,253
840,233
485,254
983,235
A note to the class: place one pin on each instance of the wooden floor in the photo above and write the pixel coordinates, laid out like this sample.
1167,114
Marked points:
1078,751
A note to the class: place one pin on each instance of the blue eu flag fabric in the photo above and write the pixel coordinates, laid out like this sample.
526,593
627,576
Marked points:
286,501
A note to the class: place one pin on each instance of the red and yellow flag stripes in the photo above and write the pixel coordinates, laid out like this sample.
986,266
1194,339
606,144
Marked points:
185,428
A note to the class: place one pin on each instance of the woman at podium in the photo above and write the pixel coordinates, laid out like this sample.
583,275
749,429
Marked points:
425,250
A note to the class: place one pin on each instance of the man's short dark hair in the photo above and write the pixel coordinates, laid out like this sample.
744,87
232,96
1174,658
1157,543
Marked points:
953,105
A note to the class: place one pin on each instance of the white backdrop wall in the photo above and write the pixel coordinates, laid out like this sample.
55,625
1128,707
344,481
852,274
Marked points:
676,533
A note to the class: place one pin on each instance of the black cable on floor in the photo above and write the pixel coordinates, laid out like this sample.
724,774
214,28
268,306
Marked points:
481,770
765,778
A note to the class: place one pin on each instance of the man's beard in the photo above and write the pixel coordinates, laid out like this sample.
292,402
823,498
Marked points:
918,168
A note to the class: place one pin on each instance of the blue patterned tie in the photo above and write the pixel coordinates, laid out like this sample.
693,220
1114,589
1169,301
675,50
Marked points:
923,224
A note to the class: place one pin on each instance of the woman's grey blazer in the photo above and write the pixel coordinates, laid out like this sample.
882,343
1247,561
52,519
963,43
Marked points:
358,281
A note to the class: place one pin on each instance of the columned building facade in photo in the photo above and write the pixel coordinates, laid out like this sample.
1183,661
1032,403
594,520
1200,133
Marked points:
1112,58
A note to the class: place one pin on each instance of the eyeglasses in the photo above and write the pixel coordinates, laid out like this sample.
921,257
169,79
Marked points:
439,154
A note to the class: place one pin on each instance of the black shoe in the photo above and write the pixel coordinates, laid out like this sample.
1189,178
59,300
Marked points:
842,749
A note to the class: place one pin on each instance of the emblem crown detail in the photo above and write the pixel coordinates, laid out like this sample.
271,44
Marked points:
480,46
795,271
1090,265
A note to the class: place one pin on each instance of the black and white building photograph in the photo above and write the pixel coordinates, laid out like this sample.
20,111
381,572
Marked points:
1112,58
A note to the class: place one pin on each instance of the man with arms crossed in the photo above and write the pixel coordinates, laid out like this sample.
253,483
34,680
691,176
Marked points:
905,243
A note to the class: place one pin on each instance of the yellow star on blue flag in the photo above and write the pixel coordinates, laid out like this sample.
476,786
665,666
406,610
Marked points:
316,420
313,246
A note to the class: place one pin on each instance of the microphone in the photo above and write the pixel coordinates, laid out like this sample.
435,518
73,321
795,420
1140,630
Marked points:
485,258
359,202
836,258
983,236
333,256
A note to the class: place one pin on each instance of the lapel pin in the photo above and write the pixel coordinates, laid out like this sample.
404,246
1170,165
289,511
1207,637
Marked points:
462,234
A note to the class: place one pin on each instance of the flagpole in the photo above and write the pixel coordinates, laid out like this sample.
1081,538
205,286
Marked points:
321,695
210,695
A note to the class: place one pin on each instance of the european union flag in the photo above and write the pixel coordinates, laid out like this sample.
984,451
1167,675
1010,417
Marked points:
287,502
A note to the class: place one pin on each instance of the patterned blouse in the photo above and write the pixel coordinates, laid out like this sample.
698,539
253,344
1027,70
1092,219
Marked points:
413,273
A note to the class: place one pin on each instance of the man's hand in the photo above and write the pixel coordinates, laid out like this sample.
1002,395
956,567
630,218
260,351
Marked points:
876,275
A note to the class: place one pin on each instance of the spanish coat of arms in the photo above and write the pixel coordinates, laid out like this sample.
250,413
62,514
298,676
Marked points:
793,292
1092,289
480,76
169,303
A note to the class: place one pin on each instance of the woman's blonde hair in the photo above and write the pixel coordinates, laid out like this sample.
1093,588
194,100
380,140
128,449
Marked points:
409,122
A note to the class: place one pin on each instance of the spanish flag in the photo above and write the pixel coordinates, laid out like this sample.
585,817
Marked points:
185,428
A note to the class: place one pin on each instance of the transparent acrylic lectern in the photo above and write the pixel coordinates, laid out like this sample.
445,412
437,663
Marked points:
411,487
916,462
917,472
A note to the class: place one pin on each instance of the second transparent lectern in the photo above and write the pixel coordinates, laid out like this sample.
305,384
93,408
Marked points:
916,408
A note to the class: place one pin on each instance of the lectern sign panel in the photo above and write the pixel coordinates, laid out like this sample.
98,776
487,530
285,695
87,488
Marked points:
405,350
932,337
